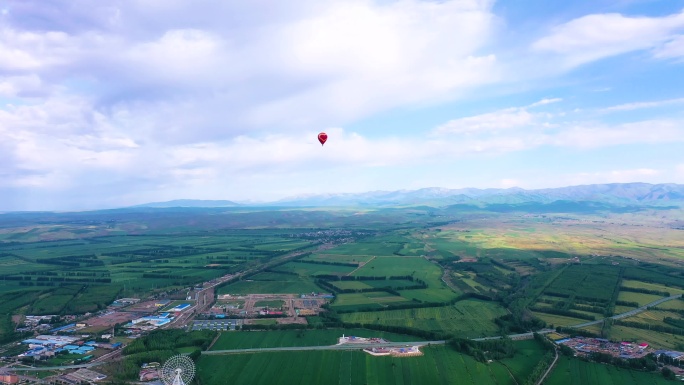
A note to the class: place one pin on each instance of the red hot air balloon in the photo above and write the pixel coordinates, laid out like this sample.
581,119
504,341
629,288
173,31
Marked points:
322,137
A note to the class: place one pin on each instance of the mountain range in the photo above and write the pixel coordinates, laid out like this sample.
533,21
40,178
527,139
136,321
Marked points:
615,194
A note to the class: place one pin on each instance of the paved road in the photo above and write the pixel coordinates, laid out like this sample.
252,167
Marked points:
42,368
550,367
327,347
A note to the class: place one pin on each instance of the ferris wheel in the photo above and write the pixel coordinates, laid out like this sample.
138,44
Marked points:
178,370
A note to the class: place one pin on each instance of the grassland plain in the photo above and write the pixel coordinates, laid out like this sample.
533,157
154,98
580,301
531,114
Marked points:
571,371
468,318
439,365
281,338
635,235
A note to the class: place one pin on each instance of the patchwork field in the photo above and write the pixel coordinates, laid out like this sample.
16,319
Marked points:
469,318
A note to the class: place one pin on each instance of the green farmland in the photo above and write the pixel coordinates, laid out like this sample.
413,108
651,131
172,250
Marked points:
469,318
571,371
439,365
288,285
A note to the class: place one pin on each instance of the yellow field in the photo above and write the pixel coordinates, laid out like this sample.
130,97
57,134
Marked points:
576,235
596,329
653,317
674,304
622,309
559,320
655,339
640,298
652,286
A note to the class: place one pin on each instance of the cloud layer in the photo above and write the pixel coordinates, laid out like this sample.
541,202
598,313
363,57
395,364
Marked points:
114,103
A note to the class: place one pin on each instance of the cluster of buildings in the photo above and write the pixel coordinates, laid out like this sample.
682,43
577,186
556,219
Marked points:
9,378
149,323
407,351
674,356
317,295
149,371
41,323
411,351
123,302
360,340
624,349
47,346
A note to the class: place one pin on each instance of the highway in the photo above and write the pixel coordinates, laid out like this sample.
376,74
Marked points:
326,347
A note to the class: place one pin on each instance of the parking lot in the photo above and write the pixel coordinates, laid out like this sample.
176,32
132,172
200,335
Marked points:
216,324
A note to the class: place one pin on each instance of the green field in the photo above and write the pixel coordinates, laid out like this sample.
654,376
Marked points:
469,318
376,299
677,304
303,268
528,353
337,258
439,365
558,320
271,284
271,303
570,371
652,286
595,284
654,338
640,298
353,285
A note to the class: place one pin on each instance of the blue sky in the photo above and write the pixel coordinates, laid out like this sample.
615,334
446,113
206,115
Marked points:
116,103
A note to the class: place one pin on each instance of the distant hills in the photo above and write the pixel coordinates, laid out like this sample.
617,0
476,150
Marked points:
618,194
189,203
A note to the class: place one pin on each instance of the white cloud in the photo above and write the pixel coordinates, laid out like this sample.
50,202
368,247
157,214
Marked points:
497,121
597,36
588,135
673,49
311,64
614,176
490,122
508,183
641,105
